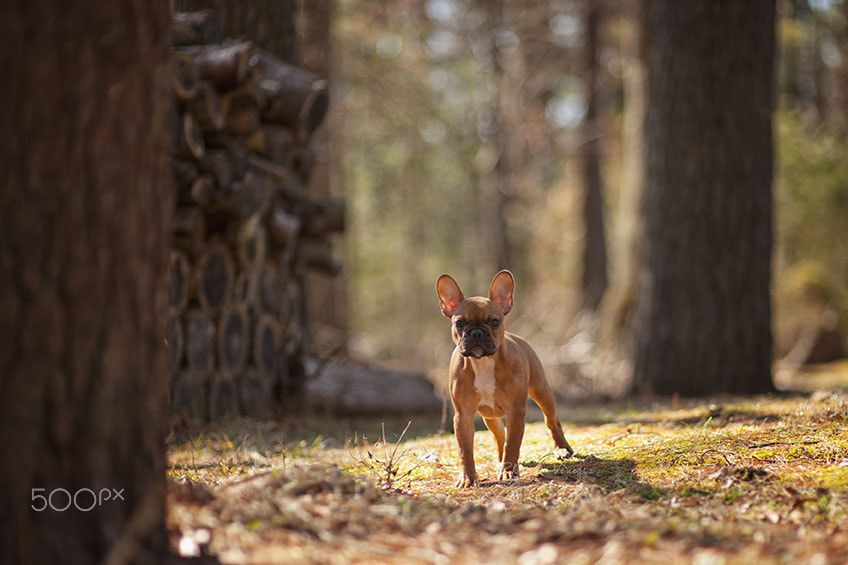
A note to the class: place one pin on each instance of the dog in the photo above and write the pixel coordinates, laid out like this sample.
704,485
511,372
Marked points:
492,372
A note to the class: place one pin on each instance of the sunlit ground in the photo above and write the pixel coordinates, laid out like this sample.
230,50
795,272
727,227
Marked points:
720,480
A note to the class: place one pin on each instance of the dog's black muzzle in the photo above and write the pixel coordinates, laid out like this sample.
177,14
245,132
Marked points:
477,341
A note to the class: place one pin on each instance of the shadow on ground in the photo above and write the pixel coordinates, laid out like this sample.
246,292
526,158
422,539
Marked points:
610,474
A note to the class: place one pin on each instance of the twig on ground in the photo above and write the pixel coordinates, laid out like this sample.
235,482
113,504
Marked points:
773,443
722,453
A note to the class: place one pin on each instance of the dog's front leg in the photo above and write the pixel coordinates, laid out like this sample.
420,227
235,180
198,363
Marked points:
463,425
514,436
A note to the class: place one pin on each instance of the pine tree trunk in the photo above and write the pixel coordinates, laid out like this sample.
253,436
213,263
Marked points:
85,191
621,297
594,243
703,322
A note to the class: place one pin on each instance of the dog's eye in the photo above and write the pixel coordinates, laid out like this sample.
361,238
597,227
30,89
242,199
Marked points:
494,322
459,324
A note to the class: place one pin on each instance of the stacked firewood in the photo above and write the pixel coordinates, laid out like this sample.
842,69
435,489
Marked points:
245,229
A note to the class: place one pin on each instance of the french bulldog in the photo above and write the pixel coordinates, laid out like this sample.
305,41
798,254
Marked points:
492,372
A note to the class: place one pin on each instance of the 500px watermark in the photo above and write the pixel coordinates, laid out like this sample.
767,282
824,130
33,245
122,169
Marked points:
84,499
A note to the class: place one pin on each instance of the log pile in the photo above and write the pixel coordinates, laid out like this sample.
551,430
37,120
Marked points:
245,230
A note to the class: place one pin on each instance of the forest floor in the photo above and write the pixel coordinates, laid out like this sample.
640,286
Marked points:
720,480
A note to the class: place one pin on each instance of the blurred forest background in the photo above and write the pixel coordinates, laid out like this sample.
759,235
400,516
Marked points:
470,135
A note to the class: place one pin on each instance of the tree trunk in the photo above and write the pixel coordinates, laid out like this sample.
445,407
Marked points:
620,300
85,194
506,76
703,322
315,20
594,242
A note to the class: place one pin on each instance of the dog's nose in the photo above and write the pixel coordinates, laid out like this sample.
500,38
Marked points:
476,333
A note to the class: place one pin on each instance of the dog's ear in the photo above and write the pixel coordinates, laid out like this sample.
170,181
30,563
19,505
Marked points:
503,286
450,295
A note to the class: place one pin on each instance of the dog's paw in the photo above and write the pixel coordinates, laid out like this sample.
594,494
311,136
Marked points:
466,481
508,471
562,453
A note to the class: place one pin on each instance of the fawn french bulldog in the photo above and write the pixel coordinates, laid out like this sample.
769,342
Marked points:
492,372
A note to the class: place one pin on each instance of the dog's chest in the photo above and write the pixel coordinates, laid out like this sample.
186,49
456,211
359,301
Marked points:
484,380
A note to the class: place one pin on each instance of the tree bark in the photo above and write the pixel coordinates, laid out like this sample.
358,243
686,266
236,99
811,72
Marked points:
703,322
314,23
594,241
621,298
85,193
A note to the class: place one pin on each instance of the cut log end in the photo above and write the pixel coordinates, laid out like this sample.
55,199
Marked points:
246,198
314,109
244,289
269,289
206,108
317,255
175,341
215,277
283,229
252,244
223,398
233,339
189,396
255,394
178,282
266,350
186,76
326,216
202,190
296,97
192,145
189,227
200,351
226,66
